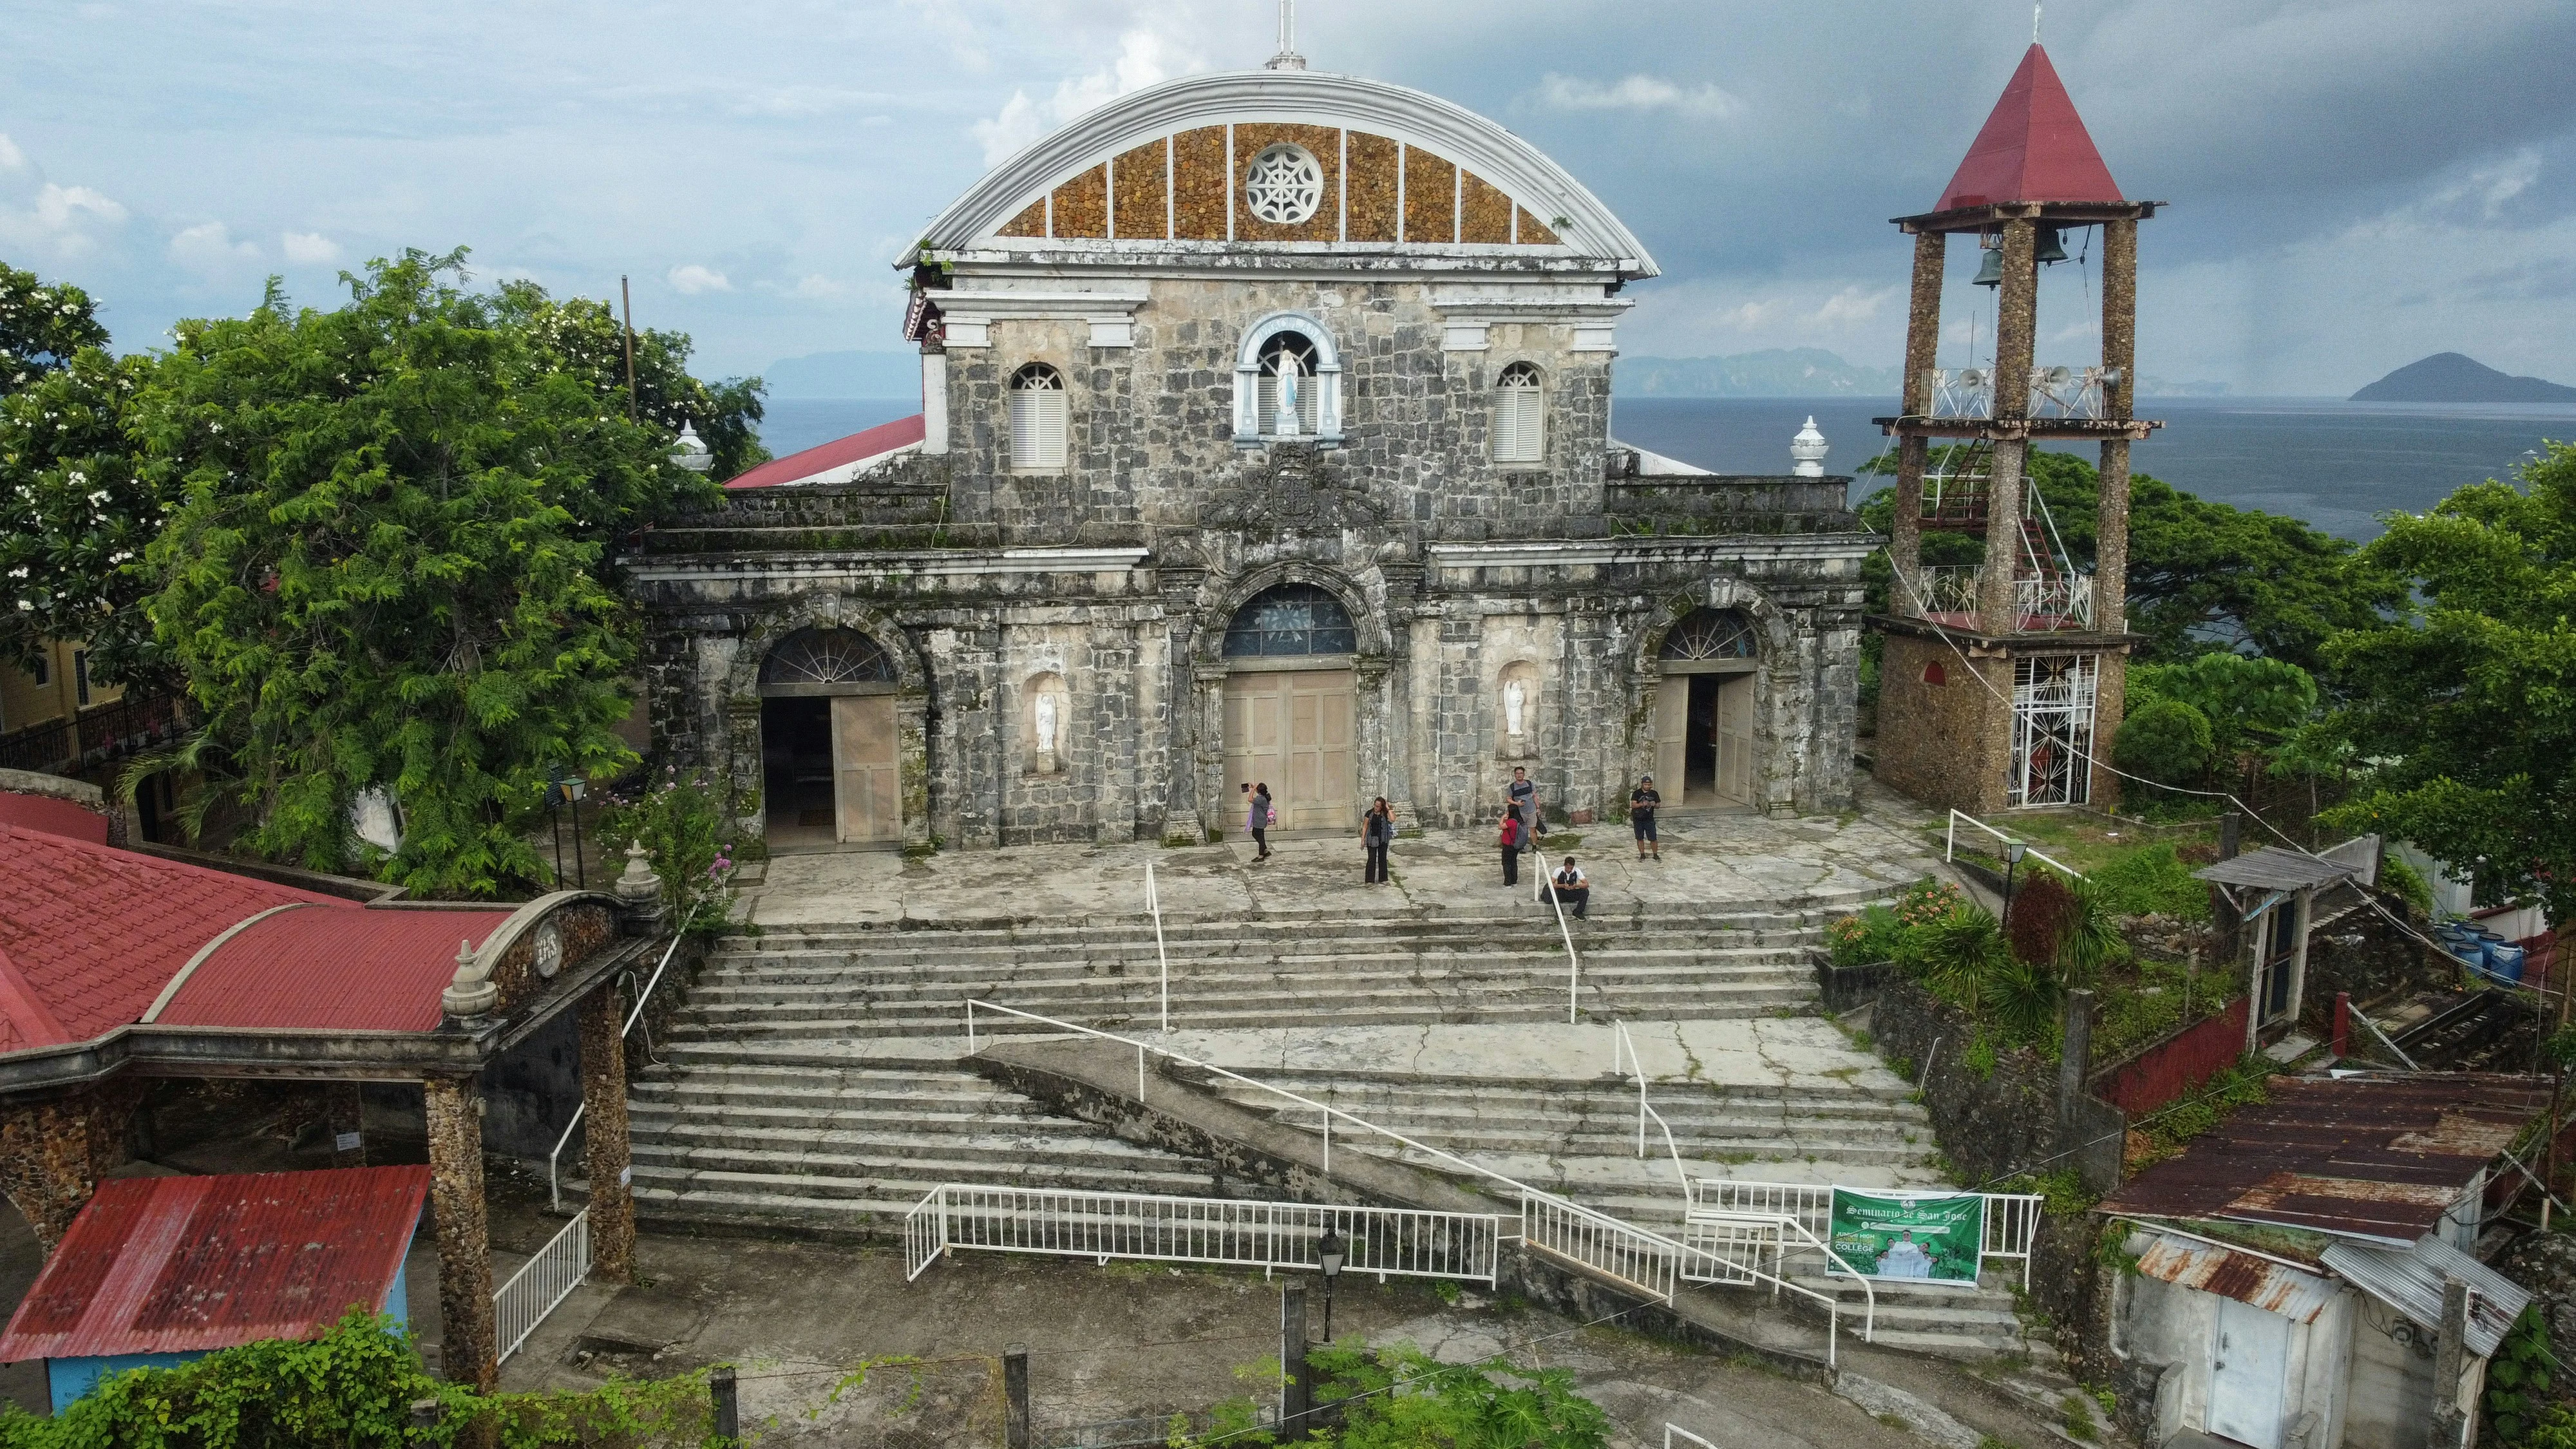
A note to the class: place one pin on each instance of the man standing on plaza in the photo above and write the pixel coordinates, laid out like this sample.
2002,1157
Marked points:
1642,803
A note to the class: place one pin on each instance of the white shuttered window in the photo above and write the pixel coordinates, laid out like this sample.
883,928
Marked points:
1520,405
1037,417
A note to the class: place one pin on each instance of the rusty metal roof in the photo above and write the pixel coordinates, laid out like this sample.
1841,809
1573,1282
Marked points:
191,1264
2411,1283
2380,1158
2246,1277
2276,870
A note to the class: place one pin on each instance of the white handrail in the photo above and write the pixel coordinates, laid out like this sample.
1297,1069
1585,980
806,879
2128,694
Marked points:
1573,963
1647,1241
1154,903
1671,1429
1951,850
1646,1109
554,1178
541,1283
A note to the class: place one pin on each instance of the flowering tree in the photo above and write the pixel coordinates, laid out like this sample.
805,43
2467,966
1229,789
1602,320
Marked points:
75,512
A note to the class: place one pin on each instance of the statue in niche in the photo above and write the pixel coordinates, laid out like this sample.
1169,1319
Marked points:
1515,703
1044,713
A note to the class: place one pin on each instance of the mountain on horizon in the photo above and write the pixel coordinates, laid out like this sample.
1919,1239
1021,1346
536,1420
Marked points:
1778,372
2448,377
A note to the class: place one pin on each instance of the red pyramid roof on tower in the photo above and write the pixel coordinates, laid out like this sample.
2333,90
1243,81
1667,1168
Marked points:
2033,148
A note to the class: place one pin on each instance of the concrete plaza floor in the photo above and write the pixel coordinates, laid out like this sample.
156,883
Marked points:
1711,859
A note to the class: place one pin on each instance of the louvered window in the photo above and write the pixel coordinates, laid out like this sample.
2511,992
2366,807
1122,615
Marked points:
1288,360
1519,406
1037,417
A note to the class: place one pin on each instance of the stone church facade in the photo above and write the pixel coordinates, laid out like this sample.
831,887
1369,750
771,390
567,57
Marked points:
1266,437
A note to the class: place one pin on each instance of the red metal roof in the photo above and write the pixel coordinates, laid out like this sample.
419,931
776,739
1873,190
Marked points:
2034,147
2375,1157
54,817
841,453
190,1264
376,970
90,934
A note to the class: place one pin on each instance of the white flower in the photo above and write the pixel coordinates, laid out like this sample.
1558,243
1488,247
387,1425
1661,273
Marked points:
23,604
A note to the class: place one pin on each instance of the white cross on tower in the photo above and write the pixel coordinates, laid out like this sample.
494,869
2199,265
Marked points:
1287,58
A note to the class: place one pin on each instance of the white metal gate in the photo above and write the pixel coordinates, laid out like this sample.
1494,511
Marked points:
2052,750
1232,1231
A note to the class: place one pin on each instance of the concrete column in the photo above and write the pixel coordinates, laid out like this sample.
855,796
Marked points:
2074,1063
2016,315
2015,318
1018,1431
1922,355
1998,605
2119,351
605,1148
469,1351
1297,1388
2449,1429
934,400
1905,527
52,1153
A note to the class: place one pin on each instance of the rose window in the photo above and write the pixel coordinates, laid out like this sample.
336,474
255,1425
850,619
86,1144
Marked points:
1285,185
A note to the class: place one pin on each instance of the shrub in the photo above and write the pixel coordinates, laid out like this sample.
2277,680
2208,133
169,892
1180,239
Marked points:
2518,1377
2164,740
2042,909
2405,882
1400,1398
1866,939
688,830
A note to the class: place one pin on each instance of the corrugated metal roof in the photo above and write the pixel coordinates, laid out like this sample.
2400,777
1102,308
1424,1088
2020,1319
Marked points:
189,1264
89,934
368,970
2245,1277
2276,870
2411,1283
2381,1157
837,460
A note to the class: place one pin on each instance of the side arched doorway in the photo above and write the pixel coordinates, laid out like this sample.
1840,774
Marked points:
1704,711
1291,707
830,763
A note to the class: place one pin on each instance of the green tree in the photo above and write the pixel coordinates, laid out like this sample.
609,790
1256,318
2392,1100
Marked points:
76,514
2164,740
385,568
2465,704
2249,702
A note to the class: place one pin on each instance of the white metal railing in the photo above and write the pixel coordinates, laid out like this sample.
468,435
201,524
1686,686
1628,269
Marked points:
1673,1430
1617,1242
554,1159
2011,1218
1624,1043
1154,903
1573,963
1950,851
1653,1263
2061,392
1952,589
542,1282
1400,1242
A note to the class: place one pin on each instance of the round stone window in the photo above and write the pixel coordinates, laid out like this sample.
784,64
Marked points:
1285,185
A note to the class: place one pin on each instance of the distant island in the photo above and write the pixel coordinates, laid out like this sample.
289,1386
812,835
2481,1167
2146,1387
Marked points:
2448,377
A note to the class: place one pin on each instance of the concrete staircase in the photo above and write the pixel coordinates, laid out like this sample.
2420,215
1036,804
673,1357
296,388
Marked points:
859,984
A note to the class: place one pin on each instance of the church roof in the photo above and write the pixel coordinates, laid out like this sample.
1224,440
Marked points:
1556,216
839,460
2034,147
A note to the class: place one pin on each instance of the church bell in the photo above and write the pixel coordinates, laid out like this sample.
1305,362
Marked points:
2049,248
2046,247
1990,267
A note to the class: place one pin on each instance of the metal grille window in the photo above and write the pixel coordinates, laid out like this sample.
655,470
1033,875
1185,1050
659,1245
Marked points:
1288,376
1709,634
2052,747
1037,417
1291,619
820,657
1520,404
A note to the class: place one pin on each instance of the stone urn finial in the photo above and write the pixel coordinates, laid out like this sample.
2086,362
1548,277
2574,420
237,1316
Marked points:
1807,452
639,892
472,993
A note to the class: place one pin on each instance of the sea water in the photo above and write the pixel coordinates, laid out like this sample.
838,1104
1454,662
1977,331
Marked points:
2336,465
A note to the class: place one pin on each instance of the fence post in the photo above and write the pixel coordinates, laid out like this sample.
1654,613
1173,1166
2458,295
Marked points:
1017,1432
2343,1025
2074,1061
1296,1387
726,1390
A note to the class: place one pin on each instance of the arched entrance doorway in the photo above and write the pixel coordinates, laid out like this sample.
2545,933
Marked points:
1291,706
828,757
1704,710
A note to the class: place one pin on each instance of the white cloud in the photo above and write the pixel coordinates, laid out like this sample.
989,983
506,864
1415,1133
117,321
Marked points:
61,223
65,208
208,249
1852,305
1635,93
693,279
1143,60
310,249
11,158
820,288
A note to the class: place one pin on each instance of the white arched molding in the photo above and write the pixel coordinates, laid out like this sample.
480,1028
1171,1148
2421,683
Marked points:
1247,379
1586,230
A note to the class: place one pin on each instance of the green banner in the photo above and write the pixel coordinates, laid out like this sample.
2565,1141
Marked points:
1931,1237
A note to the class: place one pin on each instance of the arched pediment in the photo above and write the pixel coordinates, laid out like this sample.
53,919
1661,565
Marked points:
1392,166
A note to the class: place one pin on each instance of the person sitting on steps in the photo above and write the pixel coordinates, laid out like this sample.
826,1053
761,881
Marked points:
1572,889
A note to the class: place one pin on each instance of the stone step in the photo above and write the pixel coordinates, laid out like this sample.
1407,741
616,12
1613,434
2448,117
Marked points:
1082,1001
1307,928
792,968
1729,1005
895,978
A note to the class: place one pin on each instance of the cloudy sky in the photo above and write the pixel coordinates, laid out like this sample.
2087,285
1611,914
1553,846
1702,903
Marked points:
2354,183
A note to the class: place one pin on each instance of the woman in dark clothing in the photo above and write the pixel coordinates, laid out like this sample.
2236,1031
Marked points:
1259,818
1511,843
1377,832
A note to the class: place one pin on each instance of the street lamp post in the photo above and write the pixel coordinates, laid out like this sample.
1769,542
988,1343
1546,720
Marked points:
2012,861
1328,1256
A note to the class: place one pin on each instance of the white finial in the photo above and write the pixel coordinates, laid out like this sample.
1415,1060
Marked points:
1807,452
2034,20
1287,58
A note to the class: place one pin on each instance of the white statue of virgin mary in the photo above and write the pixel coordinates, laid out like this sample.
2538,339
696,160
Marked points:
1044,713
1289,411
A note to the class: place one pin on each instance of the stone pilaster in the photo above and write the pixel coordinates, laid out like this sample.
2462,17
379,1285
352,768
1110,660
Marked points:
605,1147
469,1351
1922,355
52,1153
2120,355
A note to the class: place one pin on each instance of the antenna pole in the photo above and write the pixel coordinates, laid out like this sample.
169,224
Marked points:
626,295
1287,58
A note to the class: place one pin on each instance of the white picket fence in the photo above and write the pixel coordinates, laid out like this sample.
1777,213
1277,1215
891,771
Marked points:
2012,1218
1233,1232
541,1283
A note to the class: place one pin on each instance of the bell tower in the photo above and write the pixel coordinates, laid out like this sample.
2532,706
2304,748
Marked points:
2002,680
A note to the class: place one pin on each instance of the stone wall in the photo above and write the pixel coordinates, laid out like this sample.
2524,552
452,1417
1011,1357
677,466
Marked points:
1943,738
1995,1124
